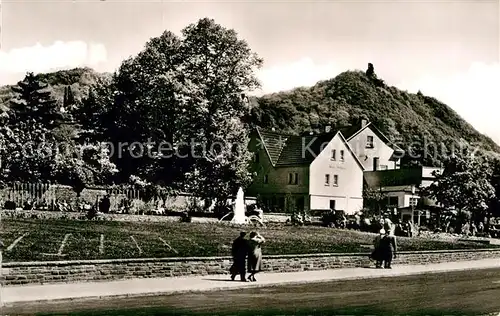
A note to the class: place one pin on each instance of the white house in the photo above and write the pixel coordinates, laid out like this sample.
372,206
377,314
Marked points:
316,172
372,147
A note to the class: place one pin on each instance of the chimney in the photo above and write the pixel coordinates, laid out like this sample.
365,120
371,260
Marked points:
363,123
328,129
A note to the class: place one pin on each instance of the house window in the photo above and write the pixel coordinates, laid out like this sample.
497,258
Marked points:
369,142
393,201
413,201
332,204
327,179
334,154
256,157
266,179
335,180
341,155
293,178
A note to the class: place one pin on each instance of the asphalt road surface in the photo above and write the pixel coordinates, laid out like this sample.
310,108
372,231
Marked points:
457,293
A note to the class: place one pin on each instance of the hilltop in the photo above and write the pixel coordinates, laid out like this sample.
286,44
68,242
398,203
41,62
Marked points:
80,79
406,118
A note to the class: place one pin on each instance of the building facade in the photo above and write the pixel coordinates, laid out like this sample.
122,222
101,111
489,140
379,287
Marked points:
372,147
305,172
402,188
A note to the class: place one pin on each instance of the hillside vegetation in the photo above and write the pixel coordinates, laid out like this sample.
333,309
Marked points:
79,79
406,118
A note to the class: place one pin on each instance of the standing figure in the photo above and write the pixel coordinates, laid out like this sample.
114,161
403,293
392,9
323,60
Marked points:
239,252
376,254
388,249
254,255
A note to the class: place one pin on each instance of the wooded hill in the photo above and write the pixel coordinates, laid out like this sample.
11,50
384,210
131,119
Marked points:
406,118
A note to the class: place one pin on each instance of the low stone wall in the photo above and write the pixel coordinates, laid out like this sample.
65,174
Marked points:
22,273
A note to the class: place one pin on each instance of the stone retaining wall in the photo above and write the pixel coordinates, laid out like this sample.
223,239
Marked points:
21,273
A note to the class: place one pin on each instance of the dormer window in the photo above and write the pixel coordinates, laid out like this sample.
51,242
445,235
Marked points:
369,142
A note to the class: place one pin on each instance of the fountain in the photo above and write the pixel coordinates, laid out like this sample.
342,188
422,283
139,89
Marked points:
239,209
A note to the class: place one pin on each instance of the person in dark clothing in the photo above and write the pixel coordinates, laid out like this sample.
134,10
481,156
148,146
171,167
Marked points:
105,204
388,249
239,252
376,255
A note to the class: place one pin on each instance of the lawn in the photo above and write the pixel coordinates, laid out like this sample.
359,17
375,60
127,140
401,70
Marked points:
42,240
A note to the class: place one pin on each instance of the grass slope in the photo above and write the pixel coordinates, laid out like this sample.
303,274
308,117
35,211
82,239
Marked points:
188,239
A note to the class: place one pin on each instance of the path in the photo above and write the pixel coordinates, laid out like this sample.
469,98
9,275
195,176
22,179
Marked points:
13,295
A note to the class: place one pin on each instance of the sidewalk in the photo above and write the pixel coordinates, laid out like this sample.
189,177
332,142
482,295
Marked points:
144,287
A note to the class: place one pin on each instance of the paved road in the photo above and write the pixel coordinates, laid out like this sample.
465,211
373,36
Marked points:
456,293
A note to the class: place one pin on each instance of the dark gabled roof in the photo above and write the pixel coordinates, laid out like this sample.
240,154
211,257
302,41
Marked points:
286,150
349,131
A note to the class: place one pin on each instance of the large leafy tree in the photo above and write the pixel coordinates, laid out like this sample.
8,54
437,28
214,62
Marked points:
465,184
28,142
374,201
222,67
91,111
186,93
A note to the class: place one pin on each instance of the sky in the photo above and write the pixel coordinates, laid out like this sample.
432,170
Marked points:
446,49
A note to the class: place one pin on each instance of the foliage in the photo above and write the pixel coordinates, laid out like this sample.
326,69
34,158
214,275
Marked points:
373,201
34,103
27,138
495,182
88,165
185,93
69,98
465,183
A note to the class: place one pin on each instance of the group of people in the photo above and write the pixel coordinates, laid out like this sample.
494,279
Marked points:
243,248
385,248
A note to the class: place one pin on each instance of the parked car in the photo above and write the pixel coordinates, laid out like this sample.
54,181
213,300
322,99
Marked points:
334,218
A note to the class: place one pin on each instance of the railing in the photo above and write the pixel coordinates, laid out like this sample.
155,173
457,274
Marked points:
47,194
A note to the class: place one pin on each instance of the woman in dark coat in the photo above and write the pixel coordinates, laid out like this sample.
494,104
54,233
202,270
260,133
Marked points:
254,254
376,254
388,248
239,252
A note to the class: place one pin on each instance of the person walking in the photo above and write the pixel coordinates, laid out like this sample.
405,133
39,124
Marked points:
239,252
388,249
254,255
